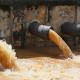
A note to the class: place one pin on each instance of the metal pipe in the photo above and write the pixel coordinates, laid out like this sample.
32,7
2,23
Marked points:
39,30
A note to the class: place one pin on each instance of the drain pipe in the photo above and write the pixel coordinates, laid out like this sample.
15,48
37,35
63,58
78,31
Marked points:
39,30
45,32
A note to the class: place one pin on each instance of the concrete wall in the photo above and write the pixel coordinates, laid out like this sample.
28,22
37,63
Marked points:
4,25
78,15
59,15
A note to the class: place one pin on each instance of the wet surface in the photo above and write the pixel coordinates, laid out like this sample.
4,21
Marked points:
53,52
39,52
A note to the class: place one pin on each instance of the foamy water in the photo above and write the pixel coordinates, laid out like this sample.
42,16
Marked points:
76,58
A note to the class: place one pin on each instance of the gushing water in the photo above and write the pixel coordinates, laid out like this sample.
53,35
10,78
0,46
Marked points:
54,37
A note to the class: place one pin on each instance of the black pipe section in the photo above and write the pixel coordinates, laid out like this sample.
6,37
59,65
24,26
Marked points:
70,29
37,2
39,30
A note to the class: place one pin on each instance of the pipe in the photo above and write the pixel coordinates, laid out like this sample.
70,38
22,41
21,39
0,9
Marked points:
46,33
39,30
